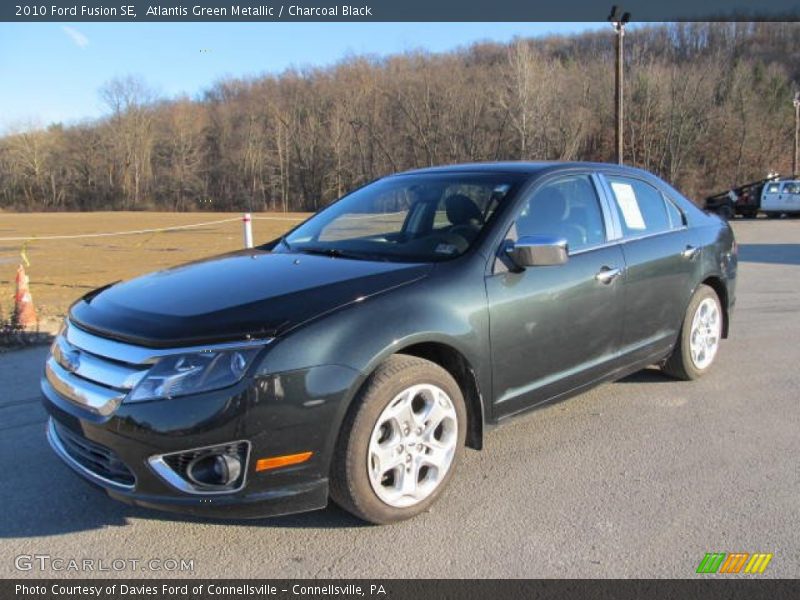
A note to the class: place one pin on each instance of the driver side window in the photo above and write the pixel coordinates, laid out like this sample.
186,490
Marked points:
567,207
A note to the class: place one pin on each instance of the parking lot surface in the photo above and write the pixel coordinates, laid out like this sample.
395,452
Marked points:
638,478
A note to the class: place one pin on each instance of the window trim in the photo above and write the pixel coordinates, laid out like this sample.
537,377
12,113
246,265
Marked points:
684,220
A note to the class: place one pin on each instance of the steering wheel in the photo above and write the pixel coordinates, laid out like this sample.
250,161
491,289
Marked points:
451,238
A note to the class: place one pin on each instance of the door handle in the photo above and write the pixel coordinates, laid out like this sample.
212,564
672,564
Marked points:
607,275
690,252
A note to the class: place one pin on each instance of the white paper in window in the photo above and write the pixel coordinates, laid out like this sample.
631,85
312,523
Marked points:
626,200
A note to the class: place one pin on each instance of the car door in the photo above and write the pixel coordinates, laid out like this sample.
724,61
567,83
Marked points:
662,261
791,196
555,328
769,199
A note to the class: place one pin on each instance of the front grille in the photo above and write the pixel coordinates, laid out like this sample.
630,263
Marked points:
91,371
93,457
97,373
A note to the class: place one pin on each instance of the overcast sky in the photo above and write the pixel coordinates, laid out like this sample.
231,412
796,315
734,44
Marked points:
51,72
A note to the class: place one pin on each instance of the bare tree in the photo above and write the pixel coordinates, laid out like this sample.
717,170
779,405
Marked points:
129,100
708,105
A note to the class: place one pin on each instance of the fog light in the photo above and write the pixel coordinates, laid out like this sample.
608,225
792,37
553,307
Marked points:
216,470
220,469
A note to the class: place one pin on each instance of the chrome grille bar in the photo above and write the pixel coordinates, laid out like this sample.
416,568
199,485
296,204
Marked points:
96,398
107,373
139,355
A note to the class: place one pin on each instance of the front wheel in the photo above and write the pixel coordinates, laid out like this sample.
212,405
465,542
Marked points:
699,338
400,442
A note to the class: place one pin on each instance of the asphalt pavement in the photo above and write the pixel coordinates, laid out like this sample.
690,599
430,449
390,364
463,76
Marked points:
639,478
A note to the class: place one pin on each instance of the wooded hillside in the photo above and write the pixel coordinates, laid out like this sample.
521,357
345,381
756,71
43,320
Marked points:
707,106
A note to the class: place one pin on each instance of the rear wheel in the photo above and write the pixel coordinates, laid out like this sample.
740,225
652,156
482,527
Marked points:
700,336
401,441
726,212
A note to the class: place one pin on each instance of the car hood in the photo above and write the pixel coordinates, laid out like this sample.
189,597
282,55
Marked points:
243,295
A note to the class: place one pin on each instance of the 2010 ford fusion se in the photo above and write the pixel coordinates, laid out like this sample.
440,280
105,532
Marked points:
355,357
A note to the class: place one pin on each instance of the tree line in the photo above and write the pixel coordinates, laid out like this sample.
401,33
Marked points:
708,106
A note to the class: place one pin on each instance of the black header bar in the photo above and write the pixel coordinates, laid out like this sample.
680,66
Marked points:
395,10
394,589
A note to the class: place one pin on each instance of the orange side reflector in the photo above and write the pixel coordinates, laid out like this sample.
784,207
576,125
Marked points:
265,464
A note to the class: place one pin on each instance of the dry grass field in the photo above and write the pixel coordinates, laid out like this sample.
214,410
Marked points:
61,271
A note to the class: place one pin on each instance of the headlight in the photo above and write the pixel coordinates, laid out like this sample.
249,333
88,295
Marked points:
184,374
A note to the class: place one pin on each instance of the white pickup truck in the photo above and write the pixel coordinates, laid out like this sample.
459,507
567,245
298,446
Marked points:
781,197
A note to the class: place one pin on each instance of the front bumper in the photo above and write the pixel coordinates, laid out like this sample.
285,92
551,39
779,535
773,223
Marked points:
285,500
274,414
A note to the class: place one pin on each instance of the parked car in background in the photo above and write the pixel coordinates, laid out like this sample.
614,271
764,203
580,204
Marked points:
357,356
781,198
743,200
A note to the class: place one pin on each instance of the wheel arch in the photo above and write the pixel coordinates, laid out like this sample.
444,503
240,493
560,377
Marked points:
443,354
455,363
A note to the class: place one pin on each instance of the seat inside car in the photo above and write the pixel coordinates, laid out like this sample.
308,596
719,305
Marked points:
465,216
549,214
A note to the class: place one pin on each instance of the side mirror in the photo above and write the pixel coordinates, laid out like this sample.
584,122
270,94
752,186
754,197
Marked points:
538,251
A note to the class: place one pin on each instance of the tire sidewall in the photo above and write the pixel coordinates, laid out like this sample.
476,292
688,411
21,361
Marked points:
371,405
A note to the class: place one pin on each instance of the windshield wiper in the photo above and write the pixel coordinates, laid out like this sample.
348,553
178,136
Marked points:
338,253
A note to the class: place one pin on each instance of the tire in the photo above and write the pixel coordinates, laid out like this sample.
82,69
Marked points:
360,481
685,362
773,215
726,212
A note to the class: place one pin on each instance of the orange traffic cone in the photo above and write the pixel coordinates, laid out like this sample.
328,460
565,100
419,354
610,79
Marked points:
24,312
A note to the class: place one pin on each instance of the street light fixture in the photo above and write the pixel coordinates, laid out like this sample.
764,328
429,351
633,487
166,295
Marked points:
618,21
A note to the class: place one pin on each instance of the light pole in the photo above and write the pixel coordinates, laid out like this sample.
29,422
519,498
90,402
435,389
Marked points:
619,22
796,103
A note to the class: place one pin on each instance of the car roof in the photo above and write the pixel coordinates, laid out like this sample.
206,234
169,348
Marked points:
532,169
522,167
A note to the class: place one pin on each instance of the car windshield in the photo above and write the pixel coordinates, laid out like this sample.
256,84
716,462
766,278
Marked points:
414,218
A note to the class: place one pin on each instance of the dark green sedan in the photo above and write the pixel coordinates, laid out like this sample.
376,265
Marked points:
355,358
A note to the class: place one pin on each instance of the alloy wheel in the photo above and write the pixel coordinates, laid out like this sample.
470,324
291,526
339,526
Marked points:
705,333
412,445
